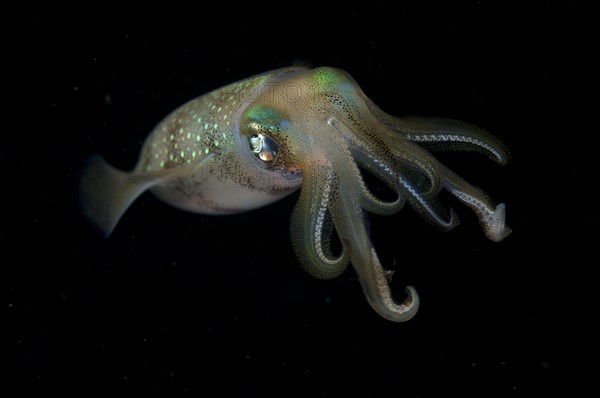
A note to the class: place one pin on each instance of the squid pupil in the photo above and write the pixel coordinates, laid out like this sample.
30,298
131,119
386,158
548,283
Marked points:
264,147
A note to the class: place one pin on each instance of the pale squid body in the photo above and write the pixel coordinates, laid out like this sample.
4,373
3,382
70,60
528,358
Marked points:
255,141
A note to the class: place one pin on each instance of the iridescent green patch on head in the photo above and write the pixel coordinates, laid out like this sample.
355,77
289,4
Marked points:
327,79
262,113
267,117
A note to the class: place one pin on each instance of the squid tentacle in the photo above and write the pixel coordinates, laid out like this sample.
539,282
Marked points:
417,158
491,217
375,283
369,202
374,279
386,174
429,207
449,134
443,134
311,227
405,188
400,149
327,235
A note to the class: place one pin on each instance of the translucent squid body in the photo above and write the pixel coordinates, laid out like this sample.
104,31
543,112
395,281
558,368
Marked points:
253,142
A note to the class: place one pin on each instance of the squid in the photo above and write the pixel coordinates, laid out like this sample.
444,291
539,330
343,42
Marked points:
256,141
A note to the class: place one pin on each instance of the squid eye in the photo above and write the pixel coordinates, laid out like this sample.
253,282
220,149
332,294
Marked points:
265,148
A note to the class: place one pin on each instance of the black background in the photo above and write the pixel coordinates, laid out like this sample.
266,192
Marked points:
177,302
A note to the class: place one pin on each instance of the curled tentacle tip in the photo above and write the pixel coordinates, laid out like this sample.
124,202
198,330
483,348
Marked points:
393,311
454,219
410,306
495,227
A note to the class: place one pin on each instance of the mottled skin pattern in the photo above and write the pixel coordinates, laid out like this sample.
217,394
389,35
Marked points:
204,126
253,142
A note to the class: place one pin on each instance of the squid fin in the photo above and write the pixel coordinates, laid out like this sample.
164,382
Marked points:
106,192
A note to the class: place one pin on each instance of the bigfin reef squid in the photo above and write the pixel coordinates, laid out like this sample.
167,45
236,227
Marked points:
256,141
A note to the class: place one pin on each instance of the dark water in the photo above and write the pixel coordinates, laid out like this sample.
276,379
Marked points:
176,302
